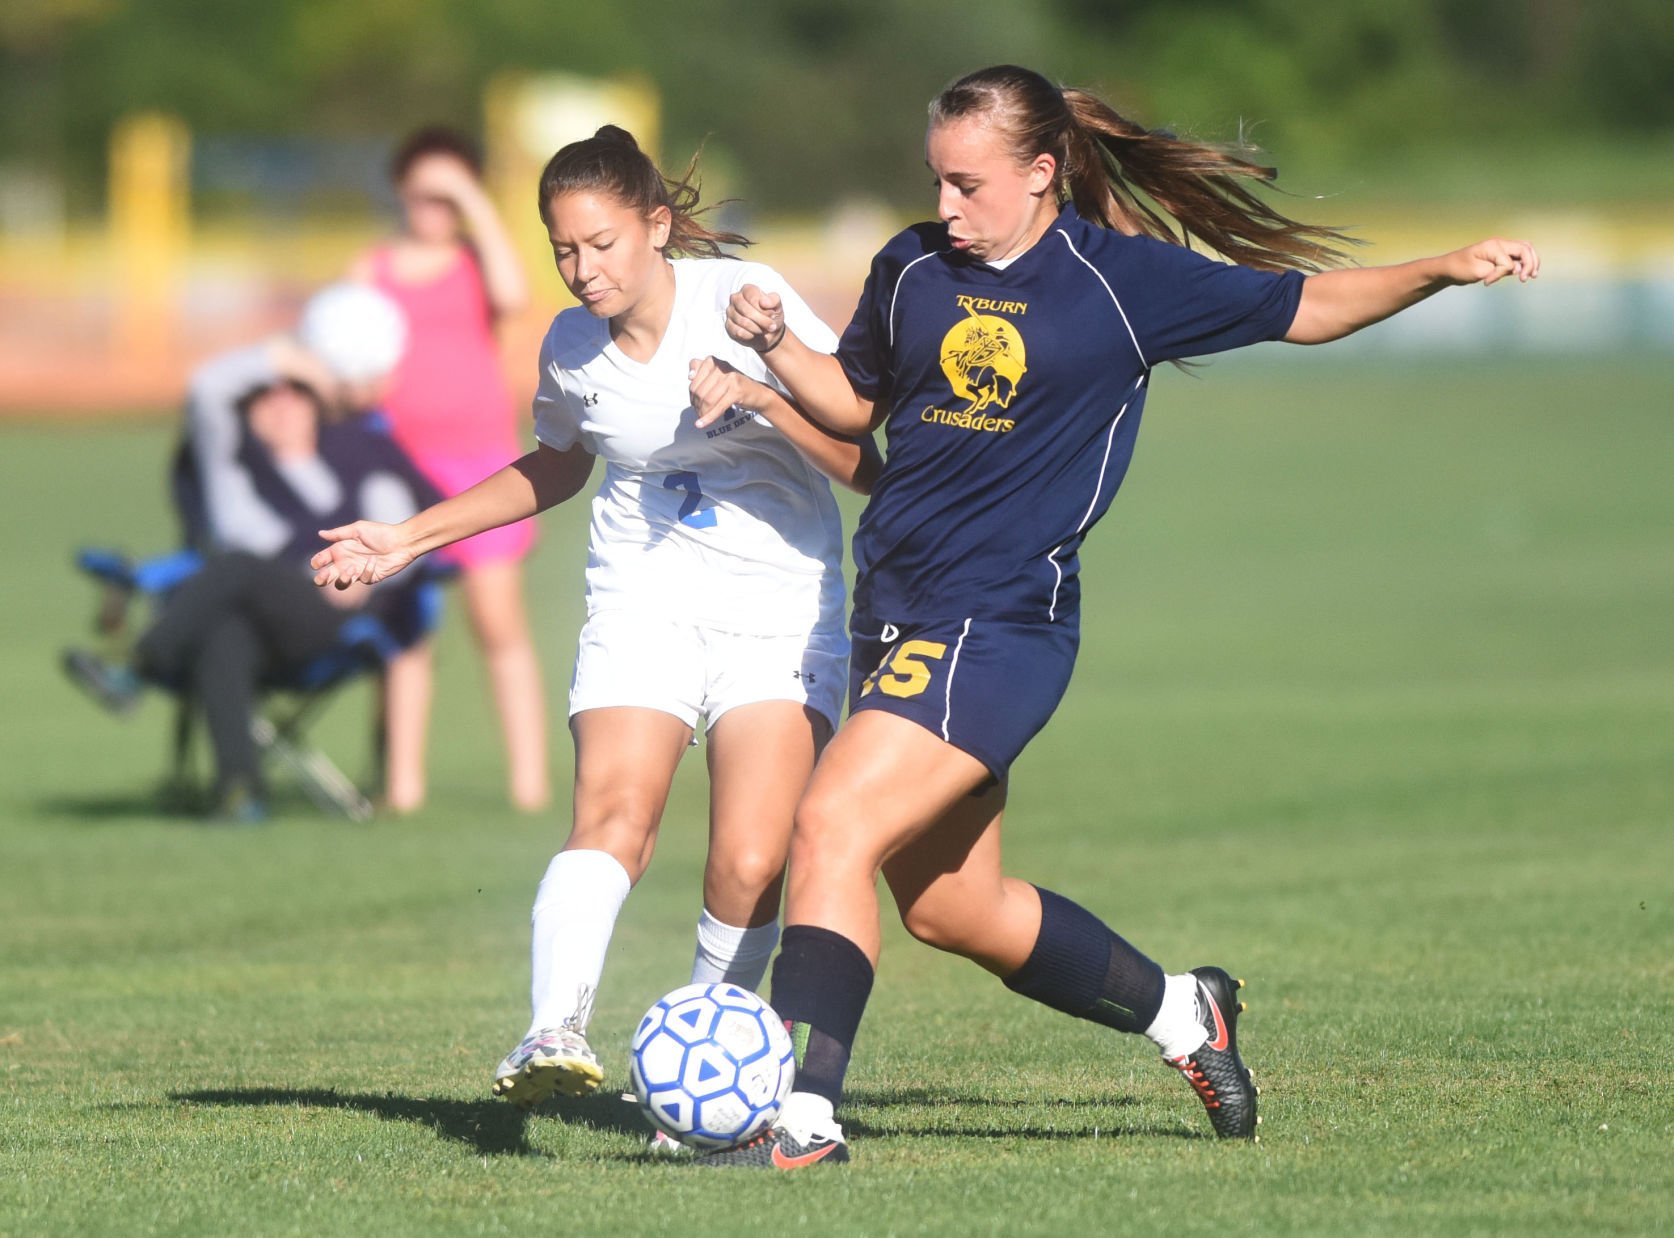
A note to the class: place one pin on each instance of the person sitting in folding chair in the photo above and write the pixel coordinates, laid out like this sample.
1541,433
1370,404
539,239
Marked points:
267,465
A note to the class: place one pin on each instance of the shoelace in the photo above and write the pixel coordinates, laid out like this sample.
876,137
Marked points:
1195,1076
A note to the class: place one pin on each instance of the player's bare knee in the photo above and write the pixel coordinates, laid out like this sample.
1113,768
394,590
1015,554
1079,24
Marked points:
623,829
748,872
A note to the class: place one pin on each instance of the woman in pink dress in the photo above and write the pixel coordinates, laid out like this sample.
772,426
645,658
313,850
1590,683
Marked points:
454,272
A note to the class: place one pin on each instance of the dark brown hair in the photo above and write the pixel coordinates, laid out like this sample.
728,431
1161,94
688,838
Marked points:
1140,181
434,140
248,399
611,162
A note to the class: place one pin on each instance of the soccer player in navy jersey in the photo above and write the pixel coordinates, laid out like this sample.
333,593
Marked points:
1007,350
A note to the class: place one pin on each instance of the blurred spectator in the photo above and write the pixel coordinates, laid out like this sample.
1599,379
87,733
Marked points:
455,273
272,455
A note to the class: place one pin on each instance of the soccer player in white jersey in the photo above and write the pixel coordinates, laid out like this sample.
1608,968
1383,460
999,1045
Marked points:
714,582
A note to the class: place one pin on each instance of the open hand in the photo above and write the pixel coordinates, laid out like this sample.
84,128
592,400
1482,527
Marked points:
364,552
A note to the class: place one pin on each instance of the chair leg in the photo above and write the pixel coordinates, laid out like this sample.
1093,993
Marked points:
112,620
329,787
180,789
379,782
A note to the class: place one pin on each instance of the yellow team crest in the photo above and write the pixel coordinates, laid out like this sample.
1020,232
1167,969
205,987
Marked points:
984,360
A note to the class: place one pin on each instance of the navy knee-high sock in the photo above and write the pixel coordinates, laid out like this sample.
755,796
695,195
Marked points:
1080,967
821,981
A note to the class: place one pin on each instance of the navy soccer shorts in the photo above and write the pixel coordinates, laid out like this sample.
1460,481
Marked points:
983,685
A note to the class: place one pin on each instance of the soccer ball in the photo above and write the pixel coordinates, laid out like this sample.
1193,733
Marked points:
711,1065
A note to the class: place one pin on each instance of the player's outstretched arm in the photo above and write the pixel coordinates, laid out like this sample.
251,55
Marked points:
756,319
1339,303
716,387
368,551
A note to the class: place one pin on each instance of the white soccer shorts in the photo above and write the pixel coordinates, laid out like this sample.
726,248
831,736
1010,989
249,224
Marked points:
626,659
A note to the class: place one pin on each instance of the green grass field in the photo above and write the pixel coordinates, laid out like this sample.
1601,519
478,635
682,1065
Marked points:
1375,707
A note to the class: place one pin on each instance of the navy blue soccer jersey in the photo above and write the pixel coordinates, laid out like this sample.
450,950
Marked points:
1014,398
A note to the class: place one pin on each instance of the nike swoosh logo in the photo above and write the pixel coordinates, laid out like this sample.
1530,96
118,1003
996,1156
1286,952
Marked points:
1218,1041
781,1161
890,634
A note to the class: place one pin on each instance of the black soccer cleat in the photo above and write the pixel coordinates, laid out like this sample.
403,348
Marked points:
779,1149
1214,1068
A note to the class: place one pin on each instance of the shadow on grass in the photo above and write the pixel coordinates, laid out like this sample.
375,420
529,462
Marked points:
121,808
169,806
493,1128
489,1128
867,1113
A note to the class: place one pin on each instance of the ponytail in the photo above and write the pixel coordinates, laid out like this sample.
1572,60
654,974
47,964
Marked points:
611,162
1141,181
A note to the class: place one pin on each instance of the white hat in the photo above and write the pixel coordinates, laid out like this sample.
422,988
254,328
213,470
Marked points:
357,332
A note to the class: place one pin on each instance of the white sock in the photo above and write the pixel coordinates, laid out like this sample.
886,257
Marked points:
1177,1029
574,916
732,955
808,1113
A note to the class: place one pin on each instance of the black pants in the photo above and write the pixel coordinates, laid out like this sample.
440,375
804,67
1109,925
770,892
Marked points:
239,621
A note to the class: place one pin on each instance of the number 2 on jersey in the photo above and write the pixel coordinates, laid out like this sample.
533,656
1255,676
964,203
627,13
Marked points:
908,674
690,516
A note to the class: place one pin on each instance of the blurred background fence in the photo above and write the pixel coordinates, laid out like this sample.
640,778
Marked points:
176,175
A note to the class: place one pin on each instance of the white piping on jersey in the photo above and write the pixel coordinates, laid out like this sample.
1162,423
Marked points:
1100,276
1098,488
895,293
952,668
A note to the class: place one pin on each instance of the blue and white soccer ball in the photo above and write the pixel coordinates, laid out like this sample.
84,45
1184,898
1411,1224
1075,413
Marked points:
711,1065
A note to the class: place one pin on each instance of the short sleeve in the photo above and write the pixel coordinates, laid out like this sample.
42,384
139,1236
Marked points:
864,348
555,422
1183,304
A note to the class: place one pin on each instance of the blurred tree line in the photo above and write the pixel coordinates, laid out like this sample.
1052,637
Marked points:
803,101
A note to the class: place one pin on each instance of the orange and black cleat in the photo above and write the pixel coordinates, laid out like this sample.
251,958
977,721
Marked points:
1214,1068
779,1148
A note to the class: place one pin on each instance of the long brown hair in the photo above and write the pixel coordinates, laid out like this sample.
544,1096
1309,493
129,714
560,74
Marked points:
1141,181
611,162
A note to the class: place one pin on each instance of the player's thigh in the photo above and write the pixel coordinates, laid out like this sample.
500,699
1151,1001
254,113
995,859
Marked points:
760,758
882,782
625,758
772,704
956,862
952,893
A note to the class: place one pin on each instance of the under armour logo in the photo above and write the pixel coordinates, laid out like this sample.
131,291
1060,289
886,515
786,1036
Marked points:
807,677
589,400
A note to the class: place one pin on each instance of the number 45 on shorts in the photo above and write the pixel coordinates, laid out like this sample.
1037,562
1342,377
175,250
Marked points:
904,672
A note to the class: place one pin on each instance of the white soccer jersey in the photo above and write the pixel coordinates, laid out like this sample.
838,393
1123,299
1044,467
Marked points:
728,527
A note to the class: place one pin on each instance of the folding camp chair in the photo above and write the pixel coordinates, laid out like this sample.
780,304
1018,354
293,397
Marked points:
292,701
